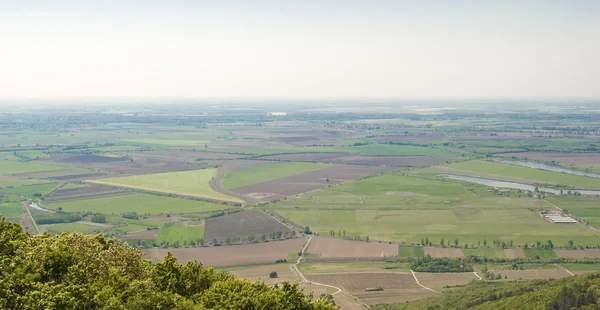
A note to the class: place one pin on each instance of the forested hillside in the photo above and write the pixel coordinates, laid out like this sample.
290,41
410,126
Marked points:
74,271
581,292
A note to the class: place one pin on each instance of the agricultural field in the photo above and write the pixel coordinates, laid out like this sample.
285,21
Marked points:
445,281
485,252
339,248
243,224
353,267
397,287
412,208
307,182
139,203
410,251
30,190
11,209
401,150
180,234
233,255
8,167
194,183
541,253
267,173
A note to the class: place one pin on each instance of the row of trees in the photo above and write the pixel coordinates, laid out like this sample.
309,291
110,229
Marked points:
496,243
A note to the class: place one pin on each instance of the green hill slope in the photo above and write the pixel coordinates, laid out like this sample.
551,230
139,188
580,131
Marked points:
74,271
580,292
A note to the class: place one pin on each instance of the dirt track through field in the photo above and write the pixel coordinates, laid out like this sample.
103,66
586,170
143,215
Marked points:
215,184
302,277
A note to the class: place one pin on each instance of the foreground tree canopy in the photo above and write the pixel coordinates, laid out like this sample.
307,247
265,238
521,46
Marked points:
74,271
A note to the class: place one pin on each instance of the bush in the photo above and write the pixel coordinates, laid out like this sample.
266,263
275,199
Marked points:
273,274
98,218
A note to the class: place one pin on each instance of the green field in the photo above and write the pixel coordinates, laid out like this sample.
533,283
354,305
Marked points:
352,267
11,209
410,251
400,150
407,209
575,266
169,142
73,227
517,173
542,253
268,173
16,167
180,233
29,190
140,203
12,182
484,252
194,182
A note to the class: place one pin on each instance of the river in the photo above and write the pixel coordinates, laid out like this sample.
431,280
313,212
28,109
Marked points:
34,205
541,166
514,185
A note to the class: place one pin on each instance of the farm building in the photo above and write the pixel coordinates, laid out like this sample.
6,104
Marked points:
559,219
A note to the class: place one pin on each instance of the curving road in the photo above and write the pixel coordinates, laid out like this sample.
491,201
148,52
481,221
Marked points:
302,277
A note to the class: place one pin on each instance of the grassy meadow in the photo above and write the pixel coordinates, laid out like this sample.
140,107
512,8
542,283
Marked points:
180,233
195,182
402,208
139,203
410,251
268,173
542,253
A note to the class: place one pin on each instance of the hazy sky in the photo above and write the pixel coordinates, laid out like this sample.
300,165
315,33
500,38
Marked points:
301,48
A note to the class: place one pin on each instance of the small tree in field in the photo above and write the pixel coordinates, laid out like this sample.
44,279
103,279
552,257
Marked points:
273,274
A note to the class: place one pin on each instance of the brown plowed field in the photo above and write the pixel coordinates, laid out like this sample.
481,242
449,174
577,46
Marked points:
233,255
239,164
72,177
242,224
508,136
514,253
146,234
397,161
400,161
83,192
532,274
563,158
443,252
284,273
397,287
319,157
339,248
400,138
437,281
181,155
301,183
87,159
588,253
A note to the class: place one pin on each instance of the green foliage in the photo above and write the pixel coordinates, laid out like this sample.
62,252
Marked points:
98,218
55,218
428,264
539,253
579,292
410,251
74,271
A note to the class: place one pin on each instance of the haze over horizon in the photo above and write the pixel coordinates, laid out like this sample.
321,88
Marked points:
287,49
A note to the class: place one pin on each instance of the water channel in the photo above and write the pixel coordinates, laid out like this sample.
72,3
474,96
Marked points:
541,166
515,185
